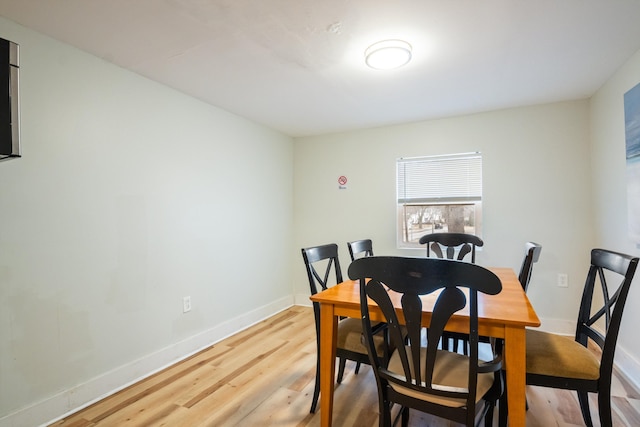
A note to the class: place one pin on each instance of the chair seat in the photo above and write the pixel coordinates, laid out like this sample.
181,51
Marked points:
559,356
451,371
350,337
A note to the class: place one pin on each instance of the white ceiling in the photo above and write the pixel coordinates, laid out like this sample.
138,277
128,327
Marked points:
297,65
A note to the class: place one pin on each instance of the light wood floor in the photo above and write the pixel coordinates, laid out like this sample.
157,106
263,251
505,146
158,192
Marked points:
264,376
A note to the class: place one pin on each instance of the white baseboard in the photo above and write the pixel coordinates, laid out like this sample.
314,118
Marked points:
69,401
558,326
628,366
302,299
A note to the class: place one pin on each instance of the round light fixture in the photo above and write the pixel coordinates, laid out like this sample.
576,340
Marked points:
388,54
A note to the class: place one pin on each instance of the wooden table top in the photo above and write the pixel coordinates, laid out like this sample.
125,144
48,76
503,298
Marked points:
510,307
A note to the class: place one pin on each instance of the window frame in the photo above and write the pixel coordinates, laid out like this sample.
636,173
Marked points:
439,171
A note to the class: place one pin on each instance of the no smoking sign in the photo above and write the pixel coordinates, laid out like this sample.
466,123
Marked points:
342,182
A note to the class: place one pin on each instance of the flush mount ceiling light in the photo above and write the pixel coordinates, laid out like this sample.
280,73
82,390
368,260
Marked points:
388,54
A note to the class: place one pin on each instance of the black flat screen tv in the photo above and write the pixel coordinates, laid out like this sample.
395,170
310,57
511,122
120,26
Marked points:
9,100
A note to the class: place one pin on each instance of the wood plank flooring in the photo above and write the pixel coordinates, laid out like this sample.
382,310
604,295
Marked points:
264,376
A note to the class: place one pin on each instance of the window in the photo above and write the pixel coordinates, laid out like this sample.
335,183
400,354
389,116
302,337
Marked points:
439,194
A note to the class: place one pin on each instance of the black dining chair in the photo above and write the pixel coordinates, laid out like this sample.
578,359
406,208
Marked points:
532,252
445,245
562,362
418,374
360,248
323,270
531,256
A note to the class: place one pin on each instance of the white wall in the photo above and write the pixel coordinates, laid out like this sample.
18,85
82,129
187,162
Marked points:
610,197
128,197
126,200
537,186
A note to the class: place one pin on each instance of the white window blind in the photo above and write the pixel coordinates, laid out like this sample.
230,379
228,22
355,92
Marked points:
451,178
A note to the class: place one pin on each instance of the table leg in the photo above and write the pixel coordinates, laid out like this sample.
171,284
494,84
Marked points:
515,360
328,341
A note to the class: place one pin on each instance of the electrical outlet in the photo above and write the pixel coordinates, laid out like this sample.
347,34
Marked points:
186,304
563,280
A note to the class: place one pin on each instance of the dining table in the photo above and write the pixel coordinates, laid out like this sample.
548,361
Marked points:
504,315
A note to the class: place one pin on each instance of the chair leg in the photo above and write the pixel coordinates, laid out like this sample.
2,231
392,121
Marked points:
357,368
583,397
503,408
604,408
444,341
385,416
405,416
341,365
488,417
503,414
316,389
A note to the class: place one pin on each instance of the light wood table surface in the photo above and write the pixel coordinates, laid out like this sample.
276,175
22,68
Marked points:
504,315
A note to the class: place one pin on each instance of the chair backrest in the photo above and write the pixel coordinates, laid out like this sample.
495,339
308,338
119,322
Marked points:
321,262
323,270
414,277
606,267
360,247
531,256
465,243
